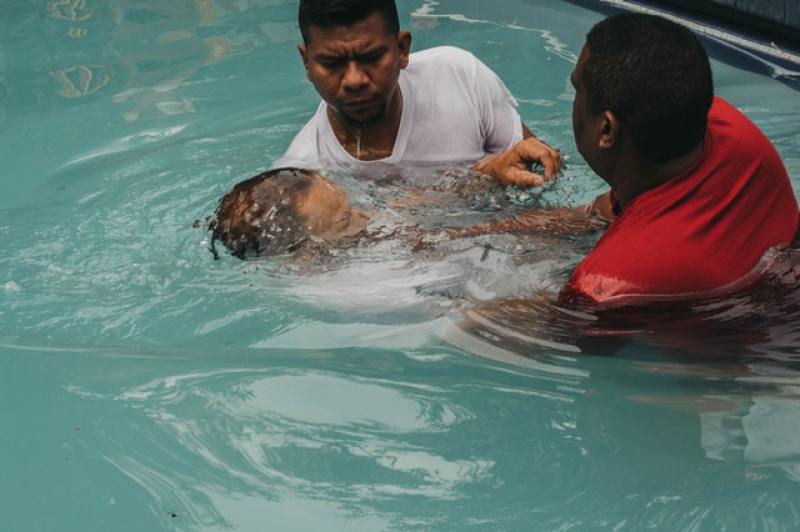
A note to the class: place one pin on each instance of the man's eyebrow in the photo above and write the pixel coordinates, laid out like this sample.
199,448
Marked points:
379,49
334,55
329,55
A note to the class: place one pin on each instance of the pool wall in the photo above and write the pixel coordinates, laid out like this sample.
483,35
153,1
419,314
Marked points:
775,17
753,42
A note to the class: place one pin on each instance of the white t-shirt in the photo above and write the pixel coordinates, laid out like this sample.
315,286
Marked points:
455,109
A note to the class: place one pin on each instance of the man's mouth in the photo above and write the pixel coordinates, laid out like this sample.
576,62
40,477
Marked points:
359,104
361,111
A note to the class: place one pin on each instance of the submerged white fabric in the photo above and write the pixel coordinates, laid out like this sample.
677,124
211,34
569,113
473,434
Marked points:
455,109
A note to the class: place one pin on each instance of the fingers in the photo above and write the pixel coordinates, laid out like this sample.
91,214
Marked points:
551,160
551,164
521,178
535,151
511,167
484,163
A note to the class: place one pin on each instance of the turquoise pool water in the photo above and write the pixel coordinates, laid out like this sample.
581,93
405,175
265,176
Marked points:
146,387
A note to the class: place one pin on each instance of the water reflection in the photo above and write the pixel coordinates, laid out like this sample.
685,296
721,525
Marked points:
434,439
759,321
691,424
694,389
73,10
762,430
354,445
3,85
158,70
82,80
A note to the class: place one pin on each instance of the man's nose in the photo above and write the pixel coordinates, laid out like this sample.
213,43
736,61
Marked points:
354,77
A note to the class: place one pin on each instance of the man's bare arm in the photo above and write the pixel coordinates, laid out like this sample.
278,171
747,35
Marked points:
602,206
563,221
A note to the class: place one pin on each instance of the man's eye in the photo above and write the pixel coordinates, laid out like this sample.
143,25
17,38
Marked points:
371,58
330,63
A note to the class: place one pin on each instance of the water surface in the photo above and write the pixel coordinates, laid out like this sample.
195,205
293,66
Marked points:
145,386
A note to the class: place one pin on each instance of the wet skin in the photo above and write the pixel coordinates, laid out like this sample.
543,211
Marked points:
355,68
327,212
585,126
608,149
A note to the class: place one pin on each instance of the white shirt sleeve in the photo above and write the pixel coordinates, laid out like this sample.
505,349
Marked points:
304,151
500,122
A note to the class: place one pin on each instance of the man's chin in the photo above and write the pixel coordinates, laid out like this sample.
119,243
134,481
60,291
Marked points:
363,120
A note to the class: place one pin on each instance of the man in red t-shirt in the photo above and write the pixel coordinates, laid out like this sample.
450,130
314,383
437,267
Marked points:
698,193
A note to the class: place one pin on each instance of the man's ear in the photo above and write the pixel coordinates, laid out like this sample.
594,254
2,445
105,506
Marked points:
303,54
404,43
609,135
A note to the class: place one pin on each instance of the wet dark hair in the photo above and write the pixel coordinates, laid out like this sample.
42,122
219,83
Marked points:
654,75
259,217
330,13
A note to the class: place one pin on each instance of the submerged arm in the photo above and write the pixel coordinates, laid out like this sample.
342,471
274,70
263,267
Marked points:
602,206
552,222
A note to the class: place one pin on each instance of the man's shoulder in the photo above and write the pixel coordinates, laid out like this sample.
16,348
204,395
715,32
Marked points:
446,52
442,56
738,143
304,148
733,126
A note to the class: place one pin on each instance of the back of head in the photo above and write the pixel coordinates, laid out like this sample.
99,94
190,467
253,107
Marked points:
330,13
654,75
259,217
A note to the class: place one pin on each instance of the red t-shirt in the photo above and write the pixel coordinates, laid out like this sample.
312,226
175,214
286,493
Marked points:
703,230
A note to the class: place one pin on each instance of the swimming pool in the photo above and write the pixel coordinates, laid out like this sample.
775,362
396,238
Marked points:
144,386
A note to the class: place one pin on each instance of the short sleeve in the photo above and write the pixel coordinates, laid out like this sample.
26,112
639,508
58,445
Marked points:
304,151
501,124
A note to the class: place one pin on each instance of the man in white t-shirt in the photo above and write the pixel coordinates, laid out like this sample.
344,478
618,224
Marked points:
384,106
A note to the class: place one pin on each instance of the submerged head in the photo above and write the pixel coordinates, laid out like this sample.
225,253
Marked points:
641,80
278,211
353,52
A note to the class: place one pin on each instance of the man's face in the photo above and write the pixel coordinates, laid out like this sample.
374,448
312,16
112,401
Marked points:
355,68
581,115
596,134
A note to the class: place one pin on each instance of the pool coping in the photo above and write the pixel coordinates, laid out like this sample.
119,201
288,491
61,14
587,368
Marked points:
781,59
774,18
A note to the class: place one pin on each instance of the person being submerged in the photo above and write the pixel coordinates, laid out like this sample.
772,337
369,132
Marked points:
280,211
288,210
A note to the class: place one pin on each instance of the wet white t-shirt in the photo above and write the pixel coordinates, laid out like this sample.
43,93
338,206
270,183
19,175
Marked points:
455,109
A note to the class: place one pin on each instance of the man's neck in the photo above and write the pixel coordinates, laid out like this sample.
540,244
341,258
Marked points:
373,142
636,178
